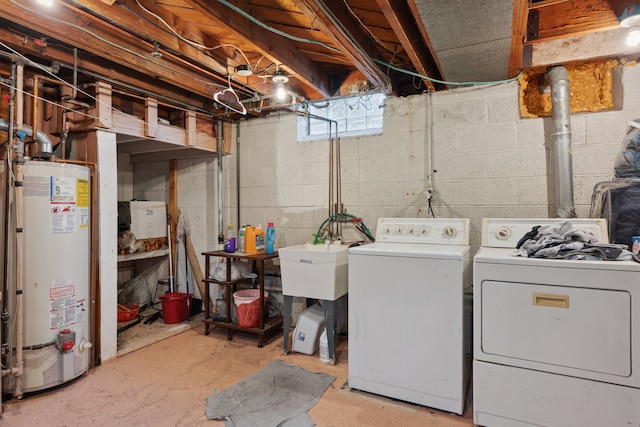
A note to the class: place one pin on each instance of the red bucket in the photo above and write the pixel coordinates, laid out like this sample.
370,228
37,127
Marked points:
248,307
174,307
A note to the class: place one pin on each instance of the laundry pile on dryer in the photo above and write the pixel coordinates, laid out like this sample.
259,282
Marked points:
564,241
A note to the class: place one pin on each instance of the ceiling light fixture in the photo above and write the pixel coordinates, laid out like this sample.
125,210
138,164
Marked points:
633,37
243,70
280,77
280,92
630,18
46,2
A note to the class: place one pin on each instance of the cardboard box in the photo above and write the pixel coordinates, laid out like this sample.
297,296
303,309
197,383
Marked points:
148,219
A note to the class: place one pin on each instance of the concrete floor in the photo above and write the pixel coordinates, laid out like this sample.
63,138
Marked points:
167,383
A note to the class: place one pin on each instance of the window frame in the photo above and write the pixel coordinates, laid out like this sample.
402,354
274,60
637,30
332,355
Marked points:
353,108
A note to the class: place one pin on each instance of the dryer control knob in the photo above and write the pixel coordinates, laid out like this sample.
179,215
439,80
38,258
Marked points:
449,232
503,233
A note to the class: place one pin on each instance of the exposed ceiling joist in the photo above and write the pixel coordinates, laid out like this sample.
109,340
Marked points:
102,68
191,49
347,33
518,35
414,39
80,29
271,45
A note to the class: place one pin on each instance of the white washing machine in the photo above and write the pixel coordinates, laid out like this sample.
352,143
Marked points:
556,341
406,311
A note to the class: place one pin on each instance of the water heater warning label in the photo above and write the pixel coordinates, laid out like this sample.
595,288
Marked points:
63,305
63,195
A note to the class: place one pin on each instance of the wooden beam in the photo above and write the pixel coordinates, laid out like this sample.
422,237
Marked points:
335,19
97,66
271,45
603,44
143,25
414,39
518,32
575,17
86,32
195,266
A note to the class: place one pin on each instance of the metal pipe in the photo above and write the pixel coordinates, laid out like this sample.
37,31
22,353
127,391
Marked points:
44,143
36,82
18,369
331,206
238,173
4,331
339,185
220,198
561,113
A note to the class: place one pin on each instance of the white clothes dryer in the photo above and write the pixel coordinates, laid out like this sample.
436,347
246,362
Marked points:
556,341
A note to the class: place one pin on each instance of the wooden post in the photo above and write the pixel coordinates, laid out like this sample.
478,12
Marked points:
174,212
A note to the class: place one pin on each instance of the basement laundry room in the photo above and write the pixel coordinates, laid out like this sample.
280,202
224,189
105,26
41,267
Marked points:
298,213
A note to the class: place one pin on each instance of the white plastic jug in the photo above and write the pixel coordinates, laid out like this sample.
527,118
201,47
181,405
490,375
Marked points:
324,347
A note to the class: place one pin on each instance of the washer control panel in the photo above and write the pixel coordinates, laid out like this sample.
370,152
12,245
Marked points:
444,231
506,232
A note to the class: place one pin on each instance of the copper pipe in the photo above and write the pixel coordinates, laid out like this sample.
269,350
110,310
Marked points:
36,83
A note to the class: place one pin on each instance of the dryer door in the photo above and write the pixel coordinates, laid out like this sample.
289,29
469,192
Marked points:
557,327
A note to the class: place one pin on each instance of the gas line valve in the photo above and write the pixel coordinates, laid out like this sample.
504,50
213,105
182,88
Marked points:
65,340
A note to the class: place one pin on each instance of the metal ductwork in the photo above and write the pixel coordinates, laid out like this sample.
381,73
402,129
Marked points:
45,146
561,113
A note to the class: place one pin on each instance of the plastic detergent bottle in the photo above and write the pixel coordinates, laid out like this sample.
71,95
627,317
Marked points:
241,234
271,239
230,239
250,240
261,245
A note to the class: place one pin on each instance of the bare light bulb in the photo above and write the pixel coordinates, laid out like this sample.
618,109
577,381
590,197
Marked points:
633,37
46,2
280,92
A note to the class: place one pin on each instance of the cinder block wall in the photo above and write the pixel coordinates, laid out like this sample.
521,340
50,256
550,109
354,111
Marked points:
486,162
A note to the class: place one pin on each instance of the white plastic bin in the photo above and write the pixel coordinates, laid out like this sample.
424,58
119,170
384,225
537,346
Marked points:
306,335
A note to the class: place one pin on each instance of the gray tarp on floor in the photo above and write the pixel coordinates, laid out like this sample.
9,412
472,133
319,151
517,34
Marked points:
278,395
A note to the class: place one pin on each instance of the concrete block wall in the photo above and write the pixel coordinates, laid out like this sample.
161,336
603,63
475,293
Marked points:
470,144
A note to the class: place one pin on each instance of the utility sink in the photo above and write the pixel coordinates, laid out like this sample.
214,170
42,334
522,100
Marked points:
314,271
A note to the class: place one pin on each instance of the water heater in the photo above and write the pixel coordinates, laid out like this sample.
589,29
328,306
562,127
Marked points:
56,276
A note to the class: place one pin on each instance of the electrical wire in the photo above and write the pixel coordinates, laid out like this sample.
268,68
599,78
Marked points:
113,44
364,27
191,42
144,125
411,73
275,30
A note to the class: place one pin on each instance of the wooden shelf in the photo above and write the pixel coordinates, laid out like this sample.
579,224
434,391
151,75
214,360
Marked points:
143,255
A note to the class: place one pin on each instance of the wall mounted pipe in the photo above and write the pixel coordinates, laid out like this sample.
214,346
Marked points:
238,173
44,143
561,113
4,331
220,189
17,370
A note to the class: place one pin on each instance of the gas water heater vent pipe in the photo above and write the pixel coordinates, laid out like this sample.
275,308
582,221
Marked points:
44,143
561,113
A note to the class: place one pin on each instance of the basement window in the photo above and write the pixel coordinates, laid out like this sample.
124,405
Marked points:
355,115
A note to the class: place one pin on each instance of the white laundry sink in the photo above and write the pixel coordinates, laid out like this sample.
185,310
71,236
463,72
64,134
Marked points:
314,271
